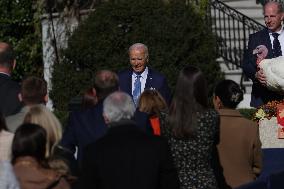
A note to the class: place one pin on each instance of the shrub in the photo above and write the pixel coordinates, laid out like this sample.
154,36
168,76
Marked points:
175,33
20,26
248,112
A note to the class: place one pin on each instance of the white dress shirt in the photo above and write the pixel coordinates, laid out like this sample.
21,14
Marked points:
280,38
142,79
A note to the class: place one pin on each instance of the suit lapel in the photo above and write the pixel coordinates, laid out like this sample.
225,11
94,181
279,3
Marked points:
267,43
128,82
149,79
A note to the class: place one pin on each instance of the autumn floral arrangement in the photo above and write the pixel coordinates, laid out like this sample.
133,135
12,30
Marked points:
267,110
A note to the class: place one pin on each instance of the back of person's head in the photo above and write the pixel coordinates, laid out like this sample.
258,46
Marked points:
34,91
190,98
118,106
3,125
29,140
192,87
7,57
152,102
229,93
105,83
39,114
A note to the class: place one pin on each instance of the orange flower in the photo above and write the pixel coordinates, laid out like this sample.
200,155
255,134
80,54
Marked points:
267,110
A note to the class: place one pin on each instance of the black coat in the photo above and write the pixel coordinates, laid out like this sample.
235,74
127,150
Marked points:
88,126
9,91
128,158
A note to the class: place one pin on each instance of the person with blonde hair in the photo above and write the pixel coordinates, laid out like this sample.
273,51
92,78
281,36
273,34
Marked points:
39,114
31,165
60,158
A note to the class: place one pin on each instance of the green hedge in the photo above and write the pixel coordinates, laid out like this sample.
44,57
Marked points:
247,112
175,33
20,26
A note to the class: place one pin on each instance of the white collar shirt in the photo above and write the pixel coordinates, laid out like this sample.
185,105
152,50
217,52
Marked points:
280,38
143,79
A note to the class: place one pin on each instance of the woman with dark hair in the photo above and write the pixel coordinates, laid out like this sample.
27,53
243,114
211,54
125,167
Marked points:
6,139
243,163
191,128
30,162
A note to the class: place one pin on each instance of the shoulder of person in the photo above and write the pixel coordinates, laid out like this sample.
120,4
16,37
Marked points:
211,112
81,114
259,33
155,73
124,72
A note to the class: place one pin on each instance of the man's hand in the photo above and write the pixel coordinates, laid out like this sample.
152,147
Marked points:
259,75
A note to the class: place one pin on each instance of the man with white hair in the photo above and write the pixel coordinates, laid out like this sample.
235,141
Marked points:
126,157
140,77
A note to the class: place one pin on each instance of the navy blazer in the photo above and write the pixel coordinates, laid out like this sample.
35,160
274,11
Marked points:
260,94
85,127
128,158
155,80
9,91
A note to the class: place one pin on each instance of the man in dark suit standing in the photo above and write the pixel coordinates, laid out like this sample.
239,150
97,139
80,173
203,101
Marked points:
272,37
9,89
126,157
134,81
87,126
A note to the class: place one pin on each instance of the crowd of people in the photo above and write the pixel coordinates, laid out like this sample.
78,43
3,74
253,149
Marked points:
130,132
119,140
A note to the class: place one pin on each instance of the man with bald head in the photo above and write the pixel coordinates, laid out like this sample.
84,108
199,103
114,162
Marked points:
140,77
9,89
272,37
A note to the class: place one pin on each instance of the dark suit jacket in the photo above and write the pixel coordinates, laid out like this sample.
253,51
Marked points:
85,127
128,158
155,80
9,90
260,94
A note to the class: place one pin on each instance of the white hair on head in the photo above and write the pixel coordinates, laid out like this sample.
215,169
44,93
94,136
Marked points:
118,106
139,46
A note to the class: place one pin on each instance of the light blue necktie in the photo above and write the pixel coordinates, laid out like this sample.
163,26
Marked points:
137,89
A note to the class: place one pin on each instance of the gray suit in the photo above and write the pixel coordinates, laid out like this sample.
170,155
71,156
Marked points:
14,121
